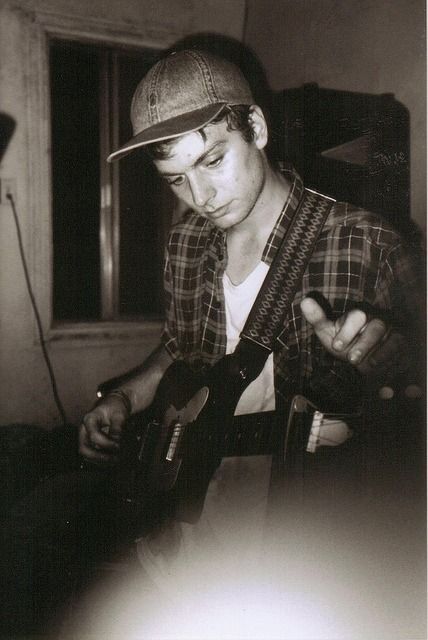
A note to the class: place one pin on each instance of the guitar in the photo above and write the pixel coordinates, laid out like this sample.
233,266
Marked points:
169,459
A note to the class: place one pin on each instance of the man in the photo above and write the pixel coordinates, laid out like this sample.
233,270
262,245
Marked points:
195,116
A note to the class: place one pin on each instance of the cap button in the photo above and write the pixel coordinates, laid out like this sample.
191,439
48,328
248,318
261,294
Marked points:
386,393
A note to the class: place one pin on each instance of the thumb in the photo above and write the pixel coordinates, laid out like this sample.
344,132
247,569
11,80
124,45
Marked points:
314,313
316,316
117,422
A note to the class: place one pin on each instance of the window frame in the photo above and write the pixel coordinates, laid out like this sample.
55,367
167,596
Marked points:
109,201
42,28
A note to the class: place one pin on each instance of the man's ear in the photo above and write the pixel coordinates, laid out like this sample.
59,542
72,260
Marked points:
259,126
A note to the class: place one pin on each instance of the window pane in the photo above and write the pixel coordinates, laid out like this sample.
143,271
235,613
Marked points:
94,281
146,204
75,78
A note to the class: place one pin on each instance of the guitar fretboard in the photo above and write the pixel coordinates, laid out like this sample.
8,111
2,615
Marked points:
252,434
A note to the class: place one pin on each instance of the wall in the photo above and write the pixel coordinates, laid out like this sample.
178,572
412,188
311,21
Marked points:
359,45
368,46
80,361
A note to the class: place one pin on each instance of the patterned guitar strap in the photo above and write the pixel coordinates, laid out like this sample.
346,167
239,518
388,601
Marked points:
266,318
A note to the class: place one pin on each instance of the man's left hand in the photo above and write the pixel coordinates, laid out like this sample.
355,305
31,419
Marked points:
366,342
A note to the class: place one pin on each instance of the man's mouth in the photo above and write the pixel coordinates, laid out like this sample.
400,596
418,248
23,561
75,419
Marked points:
216,213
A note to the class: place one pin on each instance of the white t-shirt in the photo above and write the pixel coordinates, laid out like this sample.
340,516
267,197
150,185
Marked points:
260,394
229,534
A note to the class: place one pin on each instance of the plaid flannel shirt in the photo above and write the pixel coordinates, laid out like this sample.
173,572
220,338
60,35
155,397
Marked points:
358,259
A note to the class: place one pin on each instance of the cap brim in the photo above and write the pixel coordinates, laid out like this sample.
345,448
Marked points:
172,128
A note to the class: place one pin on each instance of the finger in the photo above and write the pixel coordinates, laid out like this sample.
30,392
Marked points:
88,451
96,456
315,315
389,359
349,328
366,340
101,440
97,429
390,350
116,426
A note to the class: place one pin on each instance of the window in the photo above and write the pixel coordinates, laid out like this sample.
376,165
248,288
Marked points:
109,221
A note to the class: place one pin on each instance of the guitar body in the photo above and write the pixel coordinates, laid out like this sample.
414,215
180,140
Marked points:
182,445
169,460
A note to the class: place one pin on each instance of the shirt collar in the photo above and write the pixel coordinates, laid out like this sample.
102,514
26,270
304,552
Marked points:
286,215
218,237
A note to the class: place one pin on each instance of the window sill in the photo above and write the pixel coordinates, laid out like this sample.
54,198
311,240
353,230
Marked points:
104,332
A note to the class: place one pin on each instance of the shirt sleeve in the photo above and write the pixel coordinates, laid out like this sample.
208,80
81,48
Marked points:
400,287
402,283
391,287
169,336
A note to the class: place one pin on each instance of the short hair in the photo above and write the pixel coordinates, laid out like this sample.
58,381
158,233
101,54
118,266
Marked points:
236,116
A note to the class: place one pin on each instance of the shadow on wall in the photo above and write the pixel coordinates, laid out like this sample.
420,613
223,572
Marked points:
7,127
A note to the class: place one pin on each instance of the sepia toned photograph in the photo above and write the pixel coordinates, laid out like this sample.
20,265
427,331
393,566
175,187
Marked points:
213,320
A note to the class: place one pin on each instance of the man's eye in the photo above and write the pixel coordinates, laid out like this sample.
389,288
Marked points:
176,182
214,163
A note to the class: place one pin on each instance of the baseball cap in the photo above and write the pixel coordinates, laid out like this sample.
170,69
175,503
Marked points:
181,93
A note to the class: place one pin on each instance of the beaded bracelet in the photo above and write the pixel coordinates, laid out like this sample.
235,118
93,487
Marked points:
119,393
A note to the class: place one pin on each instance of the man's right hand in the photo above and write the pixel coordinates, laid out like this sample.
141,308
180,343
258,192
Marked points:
101,430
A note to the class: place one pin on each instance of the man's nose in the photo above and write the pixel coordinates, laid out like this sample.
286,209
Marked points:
202,192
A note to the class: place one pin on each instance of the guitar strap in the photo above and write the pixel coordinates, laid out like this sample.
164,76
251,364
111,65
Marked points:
266,318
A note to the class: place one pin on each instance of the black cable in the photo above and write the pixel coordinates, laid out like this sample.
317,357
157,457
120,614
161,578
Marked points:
58,402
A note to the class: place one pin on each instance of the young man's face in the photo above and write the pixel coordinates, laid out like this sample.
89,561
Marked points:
220,177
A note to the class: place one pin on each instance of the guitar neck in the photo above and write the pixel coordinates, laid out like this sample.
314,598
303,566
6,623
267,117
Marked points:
252,434
246,435
263,433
